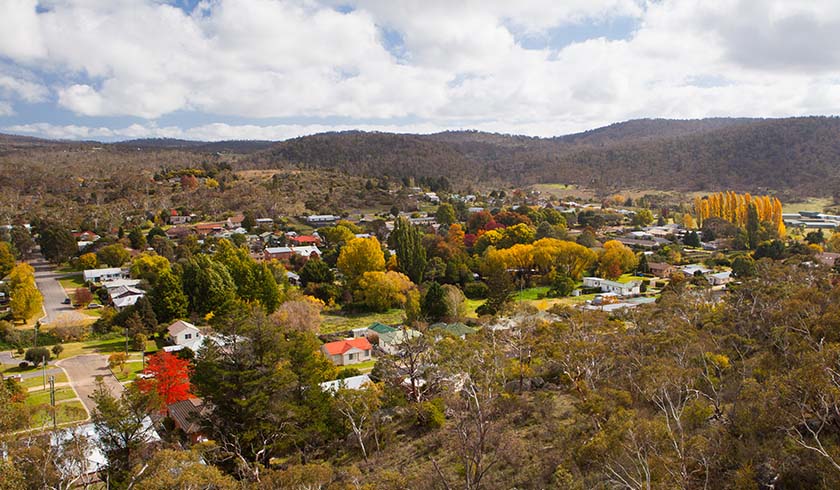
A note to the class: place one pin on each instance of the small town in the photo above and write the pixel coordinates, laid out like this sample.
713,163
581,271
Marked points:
423,245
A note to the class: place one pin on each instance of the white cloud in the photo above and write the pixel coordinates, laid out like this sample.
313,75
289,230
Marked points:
459,64
6,109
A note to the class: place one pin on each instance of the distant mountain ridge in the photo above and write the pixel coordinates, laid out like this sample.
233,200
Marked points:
799,155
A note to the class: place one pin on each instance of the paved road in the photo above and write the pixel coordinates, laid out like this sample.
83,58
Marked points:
82,372
54,295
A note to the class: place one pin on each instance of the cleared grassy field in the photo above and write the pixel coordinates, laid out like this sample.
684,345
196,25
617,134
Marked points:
71,282
531,294
811,204
72,411
338,322
129,371
364,367
39,381
42,397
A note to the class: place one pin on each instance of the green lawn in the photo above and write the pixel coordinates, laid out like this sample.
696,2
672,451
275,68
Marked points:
8,369
72,411
364,367
470,305
96,313
629,277
107,346
129,371
72,282
42,397
531,294
334,321
39,380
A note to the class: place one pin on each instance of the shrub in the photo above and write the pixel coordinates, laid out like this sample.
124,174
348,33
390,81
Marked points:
36,355
57,349
348,373
476,290
430,414
138,343
23,364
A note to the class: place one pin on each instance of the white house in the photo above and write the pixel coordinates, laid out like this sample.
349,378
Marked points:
692,269
185,334
719,278
607,286
102,275
321,219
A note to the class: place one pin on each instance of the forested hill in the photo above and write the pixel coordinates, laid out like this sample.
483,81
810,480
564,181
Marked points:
801,155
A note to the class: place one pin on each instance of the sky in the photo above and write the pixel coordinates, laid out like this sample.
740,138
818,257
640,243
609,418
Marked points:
275,69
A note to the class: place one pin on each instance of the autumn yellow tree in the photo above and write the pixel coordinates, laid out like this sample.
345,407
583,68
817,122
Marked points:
615,260
25,300
360,255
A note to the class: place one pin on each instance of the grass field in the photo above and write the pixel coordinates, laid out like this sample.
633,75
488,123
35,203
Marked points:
470,305
810,204
72,411
71,282
364,367
129,371
531,294
39,380
100,346
42,397
338,322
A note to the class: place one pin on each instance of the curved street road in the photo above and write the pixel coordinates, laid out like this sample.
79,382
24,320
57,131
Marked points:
82,372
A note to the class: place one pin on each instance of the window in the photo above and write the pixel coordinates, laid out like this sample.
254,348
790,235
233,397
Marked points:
351,356
187,336
367,353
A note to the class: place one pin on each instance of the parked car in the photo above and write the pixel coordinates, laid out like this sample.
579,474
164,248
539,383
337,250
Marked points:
66,301
94,306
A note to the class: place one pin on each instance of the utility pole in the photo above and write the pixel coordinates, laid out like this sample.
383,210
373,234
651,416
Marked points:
44,359
52,401
37,327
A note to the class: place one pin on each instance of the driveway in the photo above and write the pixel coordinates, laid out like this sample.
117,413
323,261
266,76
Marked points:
54,295
82,372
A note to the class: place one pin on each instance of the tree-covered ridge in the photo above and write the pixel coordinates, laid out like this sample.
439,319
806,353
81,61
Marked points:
799,155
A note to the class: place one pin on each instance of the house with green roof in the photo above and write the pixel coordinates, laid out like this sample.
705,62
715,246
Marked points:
456,329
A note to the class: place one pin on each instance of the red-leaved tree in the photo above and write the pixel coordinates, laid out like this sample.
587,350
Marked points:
171,377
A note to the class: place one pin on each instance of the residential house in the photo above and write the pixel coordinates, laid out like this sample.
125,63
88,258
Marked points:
235,222
693,269
661,269
187,415
321,219
302,240
125,296
350,383
607,286
102,275
178,232
205,229
455,329
392,341
348,352
285,253
185,334
719,278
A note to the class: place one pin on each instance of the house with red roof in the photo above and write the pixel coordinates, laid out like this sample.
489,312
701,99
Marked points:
348,351
306,240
